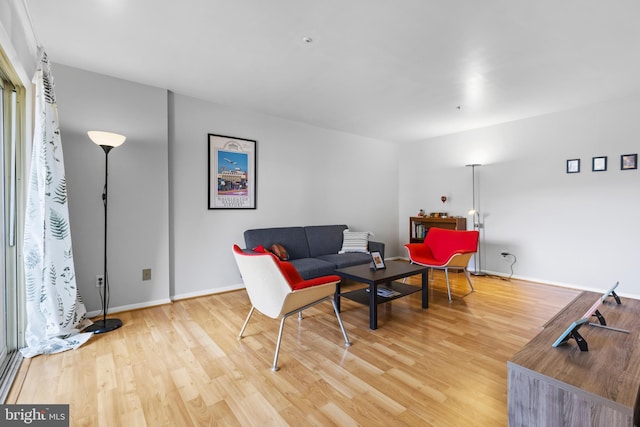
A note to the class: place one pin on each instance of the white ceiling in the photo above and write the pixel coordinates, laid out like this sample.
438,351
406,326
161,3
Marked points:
389,69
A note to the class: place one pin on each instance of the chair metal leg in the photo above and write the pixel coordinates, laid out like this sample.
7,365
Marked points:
344,332
446,274
468,275
275,358
246,322
284,317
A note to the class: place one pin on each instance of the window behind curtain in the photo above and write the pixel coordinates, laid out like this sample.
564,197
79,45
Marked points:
11,116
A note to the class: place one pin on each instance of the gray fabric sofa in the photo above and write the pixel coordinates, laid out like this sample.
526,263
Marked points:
313,250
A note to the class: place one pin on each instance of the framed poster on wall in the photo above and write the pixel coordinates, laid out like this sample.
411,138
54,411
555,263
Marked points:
231,172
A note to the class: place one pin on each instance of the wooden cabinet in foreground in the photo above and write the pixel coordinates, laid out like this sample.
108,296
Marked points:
564,386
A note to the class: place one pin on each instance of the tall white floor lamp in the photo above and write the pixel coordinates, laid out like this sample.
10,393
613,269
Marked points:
477,223
107,141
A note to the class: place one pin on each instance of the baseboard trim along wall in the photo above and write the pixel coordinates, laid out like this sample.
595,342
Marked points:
113,310
214,291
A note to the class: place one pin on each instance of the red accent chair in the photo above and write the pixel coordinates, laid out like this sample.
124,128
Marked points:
277,290
445,249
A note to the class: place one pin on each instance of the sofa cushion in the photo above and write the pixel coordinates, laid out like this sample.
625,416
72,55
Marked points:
347,259
293,239
324,239
355,241
313,267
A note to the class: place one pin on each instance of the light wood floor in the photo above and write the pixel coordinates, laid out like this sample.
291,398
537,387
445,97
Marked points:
182,364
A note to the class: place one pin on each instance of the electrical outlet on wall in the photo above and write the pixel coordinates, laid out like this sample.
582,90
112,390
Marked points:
146,274
99,280
507,256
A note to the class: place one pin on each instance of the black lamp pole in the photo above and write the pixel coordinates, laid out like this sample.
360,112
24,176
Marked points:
105,325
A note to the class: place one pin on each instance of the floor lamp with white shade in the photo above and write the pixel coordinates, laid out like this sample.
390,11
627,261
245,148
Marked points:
108,141
477,224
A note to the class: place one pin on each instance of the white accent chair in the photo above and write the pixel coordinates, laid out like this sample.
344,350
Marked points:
276,290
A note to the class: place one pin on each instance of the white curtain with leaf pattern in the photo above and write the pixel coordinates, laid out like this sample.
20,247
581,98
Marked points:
55,311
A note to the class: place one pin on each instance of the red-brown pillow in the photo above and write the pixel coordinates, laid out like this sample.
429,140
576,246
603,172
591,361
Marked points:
278,250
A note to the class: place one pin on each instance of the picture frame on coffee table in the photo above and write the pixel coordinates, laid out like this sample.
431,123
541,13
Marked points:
378,262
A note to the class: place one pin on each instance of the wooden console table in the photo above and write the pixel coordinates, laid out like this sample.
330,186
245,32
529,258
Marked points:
564,386
420,225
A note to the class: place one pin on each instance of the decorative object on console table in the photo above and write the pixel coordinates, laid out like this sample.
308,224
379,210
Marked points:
443,199
419,226
438,215
107,141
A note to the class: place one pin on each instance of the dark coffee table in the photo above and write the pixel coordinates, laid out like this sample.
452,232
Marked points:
369,296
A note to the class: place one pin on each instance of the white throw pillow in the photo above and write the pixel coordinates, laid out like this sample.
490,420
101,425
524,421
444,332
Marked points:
355,241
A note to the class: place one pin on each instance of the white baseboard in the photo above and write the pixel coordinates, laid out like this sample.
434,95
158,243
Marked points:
128,307
208,292
568,285
113,310
551,283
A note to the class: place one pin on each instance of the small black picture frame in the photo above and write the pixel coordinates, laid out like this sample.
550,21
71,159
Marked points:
628,162
377,261
573,166
599,164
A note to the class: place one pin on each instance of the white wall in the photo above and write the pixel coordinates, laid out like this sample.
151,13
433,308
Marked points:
576,230
138,208
306,176
17,40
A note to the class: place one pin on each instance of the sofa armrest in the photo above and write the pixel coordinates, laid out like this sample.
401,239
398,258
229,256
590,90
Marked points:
377,247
